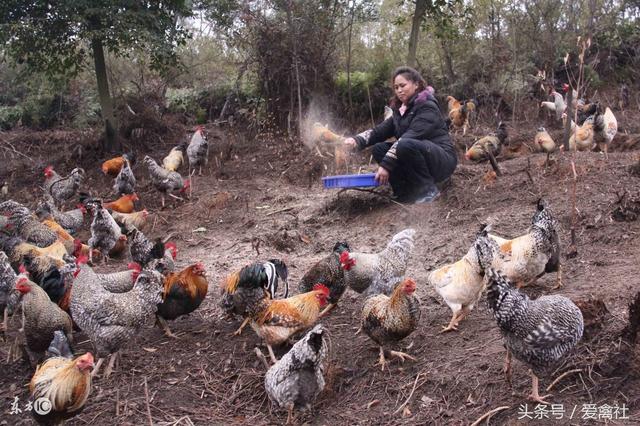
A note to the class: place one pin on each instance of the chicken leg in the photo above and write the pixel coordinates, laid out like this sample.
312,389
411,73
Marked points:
534,395
558,278
290,414
242,326
165,327
111,365
271,354
97,367
455,319
382,360
507,367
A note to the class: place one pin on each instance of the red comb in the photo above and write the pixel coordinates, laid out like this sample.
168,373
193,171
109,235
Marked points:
135,266
321,287
82,259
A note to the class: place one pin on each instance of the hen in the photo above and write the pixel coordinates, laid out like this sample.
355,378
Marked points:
124,204
25,225
167,263
111,319
330,272
142,250
62,188
275,321
375,273
198,150
125,182
390,319
70,220
524,259
491,144
460,284
105,232
165,181
297,379
545,143
537,332
42,318
582,137
113,166
127,220
183,293
8,294
605,127
244,289
175,158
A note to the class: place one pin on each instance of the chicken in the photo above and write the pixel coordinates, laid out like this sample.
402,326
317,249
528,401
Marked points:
545,143
64,381
25,225
120,248
330,272
42,318
175,158
586,110
165,181
125,182
105,232
123,204
71,220
63,236
62,188
460,284
390,319
8,294
111,319
524,259
538,332
277,320
183,293
243,290
459,113
492,143
375,273
135,219
582,137
297,379
322,133
198,150
55,281
142,250
605,127
113,166
165,264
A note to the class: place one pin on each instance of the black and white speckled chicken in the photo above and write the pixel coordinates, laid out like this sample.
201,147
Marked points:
105,231
330,272
62,188
70,220
24,224
125,182
243,290
298,377
8,294
198,150
167,263
537,332
142,249
165,181
378,273
527,257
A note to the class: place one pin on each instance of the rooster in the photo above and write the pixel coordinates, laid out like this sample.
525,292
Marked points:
460,284
545,143
111,319
275,321
198,150
62,188
123,204
62,380
125,182
113,166
539,332
42,318
605,127
390,319
175,158
297,379
127,220
459,113
488,144
244,289
375,273
165,181
524,259
105,232
183,293
330,272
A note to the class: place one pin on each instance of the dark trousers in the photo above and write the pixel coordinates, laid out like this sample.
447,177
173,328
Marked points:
420,165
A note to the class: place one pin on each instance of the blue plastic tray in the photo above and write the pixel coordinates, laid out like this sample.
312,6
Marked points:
350,181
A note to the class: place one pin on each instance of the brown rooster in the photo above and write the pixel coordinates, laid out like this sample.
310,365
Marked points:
277,320
389,319
183,293
64,381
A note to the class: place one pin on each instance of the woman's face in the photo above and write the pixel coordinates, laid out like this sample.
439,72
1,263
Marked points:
404,88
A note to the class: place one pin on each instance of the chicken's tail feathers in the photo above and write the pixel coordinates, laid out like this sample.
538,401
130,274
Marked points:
60,346
497,286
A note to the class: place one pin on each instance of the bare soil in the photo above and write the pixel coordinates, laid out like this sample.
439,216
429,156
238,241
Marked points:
262,198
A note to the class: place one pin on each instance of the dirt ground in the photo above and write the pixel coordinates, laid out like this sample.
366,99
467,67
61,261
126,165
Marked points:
262,199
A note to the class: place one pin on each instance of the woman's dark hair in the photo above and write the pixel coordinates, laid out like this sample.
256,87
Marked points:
410,74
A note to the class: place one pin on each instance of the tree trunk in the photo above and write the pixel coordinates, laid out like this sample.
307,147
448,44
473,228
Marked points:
421,9
106,103
448,61
349,61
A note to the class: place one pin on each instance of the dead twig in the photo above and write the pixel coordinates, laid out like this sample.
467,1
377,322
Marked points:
415,383
146,397
489,414
562,376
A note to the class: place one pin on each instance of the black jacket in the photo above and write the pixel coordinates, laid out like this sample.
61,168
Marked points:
422,121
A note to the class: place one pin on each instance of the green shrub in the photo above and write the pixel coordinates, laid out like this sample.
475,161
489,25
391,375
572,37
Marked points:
9,116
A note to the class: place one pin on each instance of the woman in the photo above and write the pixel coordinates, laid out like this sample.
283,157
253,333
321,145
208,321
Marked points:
422,154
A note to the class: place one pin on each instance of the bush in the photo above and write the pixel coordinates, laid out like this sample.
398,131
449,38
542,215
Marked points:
9,116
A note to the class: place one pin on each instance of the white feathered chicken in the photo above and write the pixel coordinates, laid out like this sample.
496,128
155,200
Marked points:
198,150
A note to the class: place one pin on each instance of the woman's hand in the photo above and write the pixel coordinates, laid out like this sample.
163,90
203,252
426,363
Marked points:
382,176
351,143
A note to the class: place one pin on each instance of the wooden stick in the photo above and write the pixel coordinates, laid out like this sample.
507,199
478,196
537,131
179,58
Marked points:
415,383
489,414
494,163
146,396
560,377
